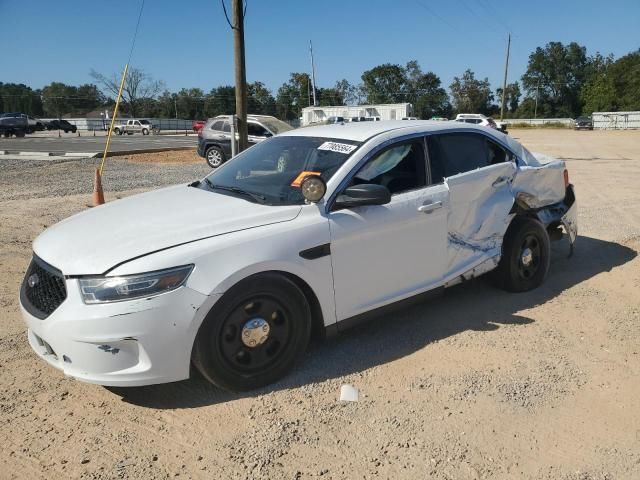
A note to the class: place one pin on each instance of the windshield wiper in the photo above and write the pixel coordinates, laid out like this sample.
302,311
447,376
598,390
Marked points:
256,196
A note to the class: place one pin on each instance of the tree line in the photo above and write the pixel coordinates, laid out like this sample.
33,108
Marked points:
561,80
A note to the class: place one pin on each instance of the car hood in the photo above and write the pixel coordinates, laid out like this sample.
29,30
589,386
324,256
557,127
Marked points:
96,240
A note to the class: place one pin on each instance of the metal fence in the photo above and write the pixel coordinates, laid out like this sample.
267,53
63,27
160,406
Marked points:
538,121
165,125
616,120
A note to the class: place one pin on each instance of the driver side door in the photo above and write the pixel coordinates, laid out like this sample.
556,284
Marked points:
385,253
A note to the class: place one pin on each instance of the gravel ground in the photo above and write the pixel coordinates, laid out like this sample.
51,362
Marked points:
20,179
477,384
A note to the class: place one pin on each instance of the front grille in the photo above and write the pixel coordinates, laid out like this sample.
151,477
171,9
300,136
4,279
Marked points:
43,288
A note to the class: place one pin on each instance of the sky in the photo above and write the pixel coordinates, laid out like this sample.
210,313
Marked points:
189,43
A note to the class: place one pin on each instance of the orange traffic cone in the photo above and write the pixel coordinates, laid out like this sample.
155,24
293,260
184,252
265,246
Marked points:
98,195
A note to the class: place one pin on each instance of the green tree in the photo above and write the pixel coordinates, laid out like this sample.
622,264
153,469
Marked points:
17,97
259,99
556,74
220,101
625,75
425,93
512,97
293,96
347,92
470,95
385,84
599,95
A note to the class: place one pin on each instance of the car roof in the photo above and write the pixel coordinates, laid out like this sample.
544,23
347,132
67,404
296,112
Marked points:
363,131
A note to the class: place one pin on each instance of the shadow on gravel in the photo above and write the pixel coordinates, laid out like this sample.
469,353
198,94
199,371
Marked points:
475,305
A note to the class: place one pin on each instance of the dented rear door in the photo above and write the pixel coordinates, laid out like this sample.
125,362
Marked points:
480,202
478,174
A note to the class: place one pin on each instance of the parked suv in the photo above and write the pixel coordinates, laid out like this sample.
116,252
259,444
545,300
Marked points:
61,125
482,120
583,123
214,140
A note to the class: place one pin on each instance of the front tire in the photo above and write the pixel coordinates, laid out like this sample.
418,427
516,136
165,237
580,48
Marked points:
215,156
254,334
526,255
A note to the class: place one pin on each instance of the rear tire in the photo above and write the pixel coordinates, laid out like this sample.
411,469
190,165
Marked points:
145,132
215,156
526,254
20,134
280,334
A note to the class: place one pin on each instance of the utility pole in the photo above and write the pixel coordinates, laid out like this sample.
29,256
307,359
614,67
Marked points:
504,83
237,23
313,76
535,111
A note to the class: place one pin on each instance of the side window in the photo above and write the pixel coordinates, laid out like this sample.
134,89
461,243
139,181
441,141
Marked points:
400,168
217,125
256,130
454,153
496,153
226,127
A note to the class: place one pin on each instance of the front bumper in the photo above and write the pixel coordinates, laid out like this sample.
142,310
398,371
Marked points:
129,343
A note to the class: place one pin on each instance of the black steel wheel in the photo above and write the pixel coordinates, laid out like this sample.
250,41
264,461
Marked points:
254,334
525,257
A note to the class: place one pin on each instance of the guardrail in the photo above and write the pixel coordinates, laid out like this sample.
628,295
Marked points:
538,121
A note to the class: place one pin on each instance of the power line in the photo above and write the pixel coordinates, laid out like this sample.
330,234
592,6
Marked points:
435,14
135,34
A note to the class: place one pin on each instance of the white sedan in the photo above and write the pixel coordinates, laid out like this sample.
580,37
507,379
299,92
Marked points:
307,232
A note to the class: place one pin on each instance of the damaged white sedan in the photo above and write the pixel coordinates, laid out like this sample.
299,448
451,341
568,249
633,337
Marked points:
307,232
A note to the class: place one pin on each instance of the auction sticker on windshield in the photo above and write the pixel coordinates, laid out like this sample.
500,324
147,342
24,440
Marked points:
337,147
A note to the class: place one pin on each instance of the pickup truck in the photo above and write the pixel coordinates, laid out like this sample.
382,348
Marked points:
133,126
14,124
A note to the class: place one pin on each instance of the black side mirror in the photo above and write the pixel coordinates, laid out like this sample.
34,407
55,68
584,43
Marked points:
364,194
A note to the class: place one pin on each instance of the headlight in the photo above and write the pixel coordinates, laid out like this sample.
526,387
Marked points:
115,289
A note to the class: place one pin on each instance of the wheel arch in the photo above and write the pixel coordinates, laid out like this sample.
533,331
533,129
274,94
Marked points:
317,316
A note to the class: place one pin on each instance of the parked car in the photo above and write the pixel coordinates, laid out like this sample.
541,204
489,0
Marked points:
331,120
583,123
214,140
61,125
35,125
312,230
13,124
133,126
482,120
197,125
410,118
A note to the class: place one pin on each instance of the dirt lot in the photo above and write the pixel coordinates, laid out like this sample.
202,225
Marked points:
476,384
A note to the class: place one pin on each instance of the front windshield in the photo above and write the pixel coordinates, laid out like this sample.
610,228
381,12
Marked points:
276,126
270,171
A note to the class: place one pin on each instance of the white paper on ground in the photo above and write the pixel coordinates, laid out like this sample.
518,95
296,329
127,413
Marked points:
348,393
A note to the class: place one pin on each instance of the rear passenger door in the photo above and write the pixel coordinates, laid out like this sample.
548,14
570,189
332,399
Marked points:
478,173
221,135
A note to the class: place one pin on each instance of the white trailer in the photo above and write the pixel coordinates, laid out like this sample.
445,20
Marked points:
387,111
